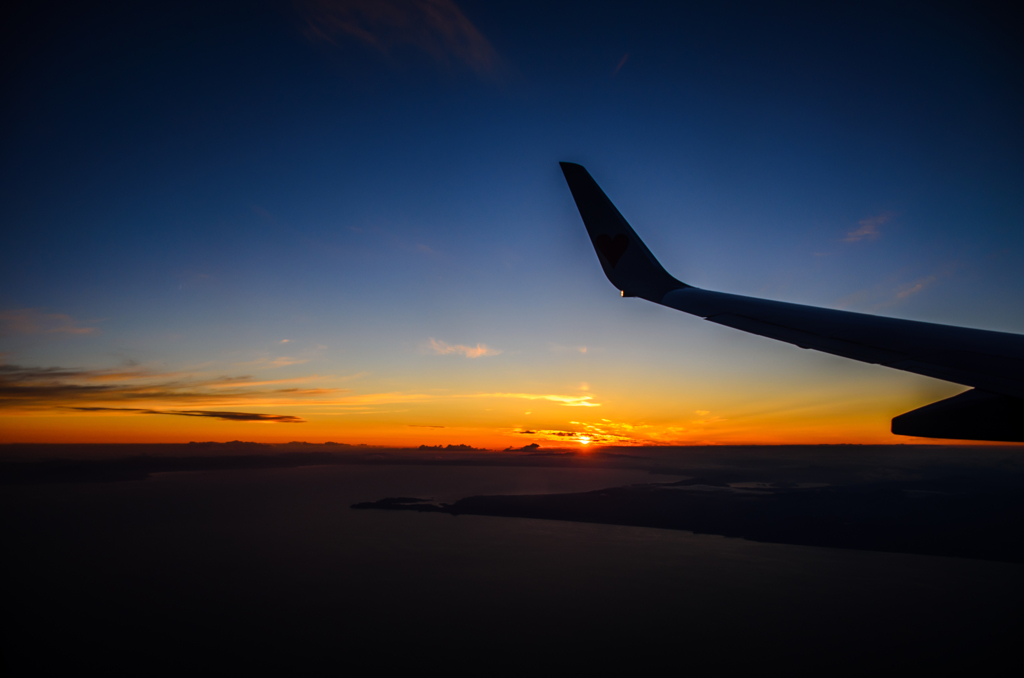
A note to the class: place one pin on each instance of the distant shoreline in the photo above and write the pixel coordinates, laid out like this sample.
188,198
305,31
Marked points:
35,463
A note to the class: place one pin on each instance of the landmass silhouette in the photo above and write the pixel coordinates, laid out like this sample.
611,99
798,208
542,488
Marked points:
961,509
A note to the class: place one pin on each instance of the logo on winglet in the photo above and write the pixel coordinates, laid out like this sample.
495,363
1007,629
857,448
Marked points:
612,248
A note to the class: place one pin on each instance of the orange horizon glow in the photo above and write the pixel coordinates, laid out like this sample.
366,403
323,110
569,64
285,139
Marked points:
485,407
154,429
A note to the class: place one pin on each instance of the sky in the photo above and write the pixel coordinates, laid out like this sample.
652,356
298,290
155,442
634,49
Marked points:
343,220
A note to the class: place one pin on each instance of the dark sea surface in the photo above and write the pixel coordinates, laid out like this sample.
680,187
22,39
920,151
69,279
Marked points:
271,569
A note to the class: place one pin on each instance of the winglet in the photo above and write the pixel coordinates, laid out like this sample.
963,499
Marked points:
626,261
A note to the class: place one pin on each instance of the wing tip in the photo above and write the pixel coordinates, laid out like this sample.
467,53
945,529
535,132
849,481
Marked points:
570,169
611,235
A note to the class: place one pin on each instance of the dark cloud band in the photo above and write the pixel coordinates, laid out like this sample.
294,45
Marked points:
212,414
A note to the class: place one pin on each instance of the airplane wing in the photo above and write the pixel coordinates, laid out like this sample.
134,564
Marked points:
992,363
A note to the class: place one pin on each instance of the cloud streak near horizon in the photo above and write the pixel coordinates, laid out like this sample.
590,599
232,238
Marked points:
568,401
35,321
55,390
212,414
38,388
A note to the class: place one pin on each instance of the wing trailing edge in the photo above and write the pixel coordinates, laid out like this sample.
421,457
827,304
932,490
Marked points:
971,415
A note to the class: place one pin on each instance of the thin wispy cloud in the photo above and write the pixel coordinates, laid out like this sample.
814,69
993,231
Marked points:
233,382
39,389
622,62
190,280
211,414
136,390
437,28
35,321
480,350
284,361
868,229
391,398
912,288
568,401
267,361
706,418
558,348
369,401
892,292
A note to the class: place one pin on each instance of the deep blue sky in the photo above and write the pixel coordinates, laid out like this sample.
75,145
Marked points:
197,182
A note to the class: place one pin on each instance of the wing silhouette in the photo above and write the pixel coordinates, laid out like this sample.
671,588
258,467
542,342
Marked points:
992,363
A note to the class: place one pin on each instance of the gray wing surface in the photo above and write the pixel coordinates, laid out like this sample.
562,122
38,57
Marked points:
992,363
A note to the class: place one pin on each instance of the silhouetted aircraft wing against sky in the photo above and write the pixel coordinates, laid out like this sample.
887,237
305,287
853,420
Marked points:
992,363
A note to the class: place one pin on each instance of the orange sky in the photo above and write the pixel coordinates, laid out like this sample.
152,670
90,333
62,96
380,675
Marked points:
140,404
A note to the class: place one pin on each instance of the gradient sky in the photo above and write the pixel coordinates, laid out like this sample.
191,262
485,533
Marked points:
344,220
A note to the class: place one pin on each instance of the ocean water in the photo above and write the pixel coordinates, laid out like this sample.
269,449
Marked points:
219,570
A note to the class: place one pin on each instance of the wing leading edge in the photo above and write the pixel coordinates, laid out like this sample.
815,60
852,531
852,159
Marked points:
992,363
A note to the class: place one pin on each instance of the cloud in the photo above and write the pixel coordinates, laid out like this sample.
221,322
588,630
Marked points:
436,27
913,288
285,360
190,280
282,361
230,382
366,400
568,401
608,432
889,293
622,62
32,390
443,348
34,321
226,416
588,435
706,418
38,389
532,447
868,228
558,348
